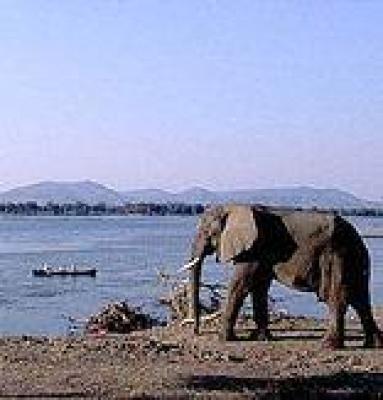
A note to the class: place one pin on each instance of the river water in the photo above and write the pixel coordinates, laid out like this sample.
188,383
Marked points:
127,251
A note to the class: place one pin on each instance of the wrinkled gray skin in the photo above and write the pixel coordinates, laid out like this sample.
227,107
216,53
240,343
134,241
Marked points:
310,251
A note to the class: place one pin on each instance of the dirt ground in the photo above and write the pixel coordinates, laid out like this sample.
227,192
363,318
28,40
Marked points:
171,363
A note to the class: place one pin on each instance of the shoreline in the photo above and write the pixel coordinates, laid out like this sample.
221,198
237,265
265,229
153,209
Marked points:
170,362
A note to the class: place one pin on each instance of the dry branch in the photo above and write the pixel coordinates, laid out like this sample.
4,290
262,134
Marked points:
178,299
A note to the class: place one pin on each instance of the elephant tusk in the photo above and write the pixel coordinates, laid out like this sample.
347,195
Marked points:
190,265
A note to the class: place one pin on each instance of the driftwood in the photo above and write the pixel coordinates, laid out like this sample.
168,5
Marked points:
178,300
119,318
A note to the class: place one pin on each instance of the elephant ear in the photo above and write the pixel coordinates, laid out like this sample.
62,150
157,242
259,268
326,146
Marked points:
239,234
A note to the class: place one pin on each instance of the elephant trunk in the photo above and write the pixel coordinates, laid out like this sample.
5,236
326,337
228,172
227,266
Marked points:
200,249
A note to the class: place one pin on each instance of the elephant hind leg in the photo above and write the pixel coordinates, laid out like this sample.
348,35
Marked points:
373,336
239,288
337,301
334,337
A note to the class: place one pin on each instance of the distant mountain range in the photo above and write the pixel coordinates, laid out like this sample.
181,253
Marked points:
92,193
62,192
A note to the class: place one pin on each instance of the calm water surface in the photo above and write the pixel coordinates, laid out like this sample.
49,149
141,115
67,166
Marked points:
127,251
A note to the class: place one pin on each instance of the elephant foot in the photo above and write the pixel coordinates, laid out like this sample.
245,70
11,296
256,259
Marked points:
262,335
332,342
374,341
225,336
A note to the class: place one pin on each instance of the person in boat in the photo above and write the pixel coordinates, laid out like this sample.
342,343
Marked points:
46,267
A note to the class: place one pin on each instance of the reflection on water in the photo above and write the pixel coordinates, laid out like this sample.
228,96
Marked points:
127,251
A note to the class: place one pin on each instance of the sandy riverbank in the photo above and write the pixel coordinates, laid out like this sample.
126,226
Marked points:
169,362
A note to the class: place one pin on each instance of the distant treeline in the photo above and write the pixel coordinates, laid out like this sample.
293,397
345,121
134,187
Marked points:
82,209
31,208
363,212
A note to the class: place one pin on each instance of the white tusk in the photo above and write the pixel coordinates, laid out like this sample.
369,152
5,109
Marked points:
189,265
187,321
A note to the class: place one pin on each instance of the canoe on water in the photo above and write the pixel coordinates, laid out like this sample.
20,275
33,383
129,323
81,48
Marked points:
72,271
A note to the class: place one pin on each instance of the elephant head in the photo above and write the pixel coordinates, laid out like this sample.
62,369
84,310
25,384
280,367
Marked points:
227,231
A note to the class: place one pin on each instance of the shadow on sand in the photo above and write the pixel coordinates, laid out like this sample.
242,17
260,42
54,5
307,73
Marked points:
299,334
344,385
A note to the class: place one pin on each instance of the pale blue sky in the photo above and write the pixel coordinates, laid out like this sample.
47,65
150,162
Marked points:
172,93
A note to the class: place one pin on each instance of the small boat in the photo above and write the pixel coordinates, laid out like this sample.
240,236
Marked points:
62,271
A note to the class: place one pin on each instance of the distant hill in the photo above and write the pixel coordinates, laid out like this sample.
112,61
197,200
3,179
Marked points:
301,196
148,195
290,196
93,193
298,196
62,192
192,195
200,195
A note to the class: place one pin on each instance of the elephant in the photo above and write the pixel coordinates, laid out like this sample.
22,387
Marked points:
311,251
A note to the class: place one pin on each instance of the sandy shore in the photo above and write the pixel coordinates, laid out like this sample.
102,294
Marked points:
170,362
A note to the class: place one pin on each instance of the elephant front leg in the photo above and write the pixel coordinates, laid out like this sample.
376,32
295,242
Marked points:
239,288
259,296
